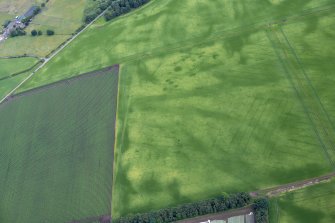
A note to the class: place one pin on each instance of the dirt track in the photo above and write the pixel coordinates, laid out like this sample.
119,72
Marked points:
101,219
276,191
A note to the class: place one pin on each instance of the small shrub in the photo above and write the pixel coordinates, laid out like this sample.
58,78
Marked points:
34,32
50,32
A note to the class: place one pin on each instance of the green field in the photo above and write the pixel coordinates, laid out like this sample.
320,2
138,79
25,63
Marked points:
190,129
62,16
216,96
10,72
163,26
57,151
313,39
309,205
15,65
8,84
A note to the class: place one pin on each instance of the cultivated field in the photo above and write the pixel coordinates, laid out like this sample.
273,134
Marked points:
309,205
57,151
215,97
62,16
190,129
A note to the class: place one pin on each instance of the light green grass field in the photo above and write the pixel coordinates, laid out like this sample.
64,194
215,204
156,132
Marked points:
57,151
15,65
8,84
62,16
200,122
9,67
208,101
309,205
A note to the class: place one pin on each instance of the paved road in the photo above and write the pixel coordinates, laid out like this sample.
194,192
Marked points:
46,60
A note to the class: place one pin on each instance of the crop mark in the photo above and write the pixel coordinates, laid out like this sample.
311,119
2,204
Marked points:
305,91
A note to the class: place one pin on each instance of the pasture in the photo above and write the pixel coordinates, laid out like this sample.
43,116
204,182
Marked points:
57,151
62,16
309,205
210,97
15,65
10,9
12,72
8,84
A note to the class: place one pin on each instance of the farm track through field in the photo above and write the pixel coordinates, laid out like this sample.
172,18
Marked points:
305,91
279,190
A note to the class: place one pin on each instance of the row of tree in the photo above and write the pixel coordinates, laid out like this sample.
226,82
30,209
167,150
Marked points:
261,209
115,8
17,32
39,32
121,7
218,204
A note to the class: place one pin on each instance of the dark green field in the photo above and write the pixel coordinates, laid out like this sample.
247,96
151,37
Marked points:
57,151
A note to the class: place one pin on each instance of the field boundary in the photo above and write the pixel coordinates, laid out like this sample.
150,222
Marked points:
20,72
90,74
115,130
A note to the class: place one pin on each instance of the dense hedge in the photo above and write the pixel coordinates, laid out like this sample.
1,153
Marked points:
121,7
115,8
218,204
261,209
17,32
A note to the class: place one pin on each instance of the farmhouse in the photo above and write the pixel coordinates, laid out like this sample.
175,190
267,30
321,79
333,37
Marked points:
19,21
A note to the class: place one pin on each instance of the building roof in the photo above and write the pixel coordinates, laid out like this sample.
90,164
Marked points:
29,13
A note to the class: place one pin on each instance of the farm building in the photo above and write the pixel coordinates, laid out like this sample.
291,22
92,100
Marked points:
30,13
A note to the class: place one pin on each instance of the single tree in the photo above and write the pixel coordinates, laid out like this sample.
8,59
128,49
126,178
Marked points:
50,32
33,32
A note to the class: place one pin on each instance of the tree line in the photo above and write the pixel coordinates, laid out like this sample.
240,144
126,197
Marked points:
261,210
115,8
217,204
